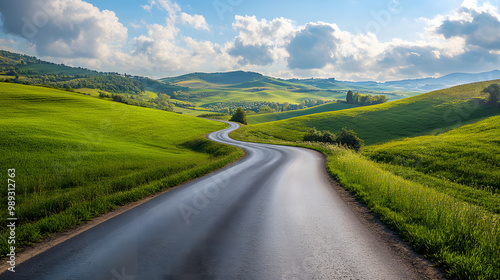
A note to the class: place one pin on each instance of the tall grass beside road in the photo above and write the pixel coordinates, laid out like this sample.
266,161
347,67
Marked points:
462,238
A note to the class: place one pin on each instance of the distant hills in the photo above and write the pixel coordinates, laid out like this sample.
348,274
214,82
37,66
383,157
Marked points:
429,84
210,88
412,85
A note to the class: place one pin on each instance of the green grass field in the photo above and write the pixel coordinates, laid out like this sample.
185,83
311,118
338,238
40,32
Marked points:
467,155
329,107
430,113
460,237
270,95
78,156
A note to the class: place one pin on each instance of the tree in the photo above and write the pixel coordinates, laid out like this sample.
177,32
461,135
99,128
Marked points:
494,91
349,97
355,98
239,116
350,139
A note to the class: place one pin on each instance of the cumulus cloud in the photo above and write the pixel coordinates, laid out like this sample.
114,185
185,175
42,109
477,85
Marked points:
175,14
61,28
263,32
312,47
197,21
477,25
260,42
251,54
466,39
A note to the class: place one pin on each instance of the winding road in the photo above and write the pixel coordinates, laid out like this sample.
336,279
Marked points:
271,215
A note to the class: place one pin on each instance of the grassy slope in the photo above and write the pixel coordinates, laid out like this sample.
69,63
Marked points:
77,156
270,95
428,113
262,118
460,237
469,154
464,162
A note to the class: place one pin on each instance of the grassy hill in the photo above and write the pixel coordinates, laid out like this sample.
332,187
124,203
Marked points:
329,107
467,155
220,89
78,156
430,113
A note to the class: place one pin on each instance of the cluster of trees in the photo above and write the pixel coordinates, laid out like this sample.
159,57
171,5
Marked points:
346,137
162,102
261,107
212,116
183,104
364,100
108,82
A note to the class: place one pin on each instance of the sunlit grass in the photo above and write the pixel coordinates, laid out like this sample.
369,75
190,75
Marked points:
430,113
329,107
462,238
467,155
78,156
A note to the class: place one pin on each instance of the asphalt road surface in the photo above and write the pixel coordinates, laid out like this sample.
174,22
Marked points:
271,215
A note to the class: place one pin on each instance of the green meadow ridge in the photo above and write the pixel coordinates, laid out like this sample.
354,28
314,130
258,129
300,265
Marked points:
77,156
430,113
430,170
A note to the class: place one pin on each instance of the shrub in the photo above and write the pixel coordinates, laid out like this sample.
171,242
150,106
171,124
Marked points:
349,138
314,135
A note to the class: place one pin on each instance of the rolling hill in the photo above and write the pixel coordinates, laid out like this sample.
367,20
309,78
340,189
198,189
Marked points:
270,117
430,113
467,155
78,156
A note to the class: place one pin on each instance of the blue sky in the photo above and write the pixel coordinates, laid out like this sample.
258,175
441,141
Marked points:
346,39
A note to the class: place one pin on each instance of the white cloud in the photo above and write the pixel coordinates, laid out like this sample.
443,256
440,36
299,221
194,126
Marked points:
260,42
60,28
466,39
175,14
197,21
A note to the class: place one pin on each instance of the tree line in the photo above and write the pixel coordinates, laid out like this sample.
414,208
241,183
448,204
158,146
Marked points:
364,99
262,107
162,102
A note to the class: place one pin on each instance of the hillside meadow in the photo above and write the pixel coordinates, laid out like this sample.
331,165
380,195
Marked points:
431,113
430,171
329,107
78,156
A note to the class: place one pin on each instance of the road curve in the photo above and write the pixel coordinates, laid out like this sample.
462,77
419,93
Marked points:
271,215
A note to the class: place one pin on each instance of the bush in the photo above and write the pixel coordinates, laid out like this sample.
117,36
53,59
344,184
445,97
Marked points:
347,138
350,139
314,135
